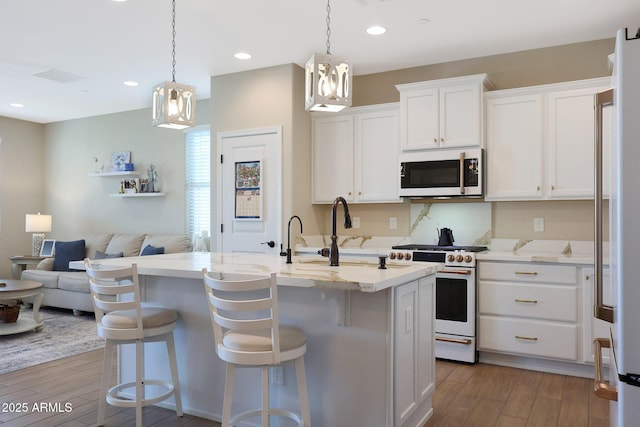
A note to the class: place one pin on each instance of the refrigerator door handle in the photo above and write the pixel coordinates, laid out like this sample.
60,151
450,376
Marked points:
601,311
602,389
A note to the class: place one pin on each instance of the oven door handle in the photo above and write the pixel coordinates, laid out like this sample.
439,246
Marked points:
465,341
461,272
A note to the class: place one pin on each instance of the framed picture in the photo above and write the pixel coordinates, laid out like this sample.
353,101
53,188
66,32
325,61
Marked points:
130,185
119,159
48,247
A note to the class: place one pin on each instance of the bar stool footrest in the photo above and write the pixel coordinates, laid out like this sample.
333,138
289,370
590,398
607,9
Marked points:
114,399
252,413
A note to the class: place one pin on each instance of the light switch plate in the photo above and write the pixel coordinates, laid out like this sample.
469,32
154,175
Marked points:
538,224
355,222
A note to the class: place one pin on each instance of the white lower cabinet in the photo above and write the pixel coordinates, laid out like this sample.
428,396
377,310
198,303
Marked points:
414,357
528,309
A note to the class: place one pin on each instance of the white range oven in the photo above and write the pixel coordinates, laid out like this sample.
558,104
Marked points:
455,311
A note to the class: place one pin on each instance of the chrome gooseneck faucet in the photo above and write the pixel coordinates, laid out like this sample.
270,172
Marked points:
333,251
289,236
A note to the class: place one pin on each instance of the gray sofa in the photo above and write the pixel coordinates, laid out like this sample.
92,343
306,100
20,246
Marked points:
70,289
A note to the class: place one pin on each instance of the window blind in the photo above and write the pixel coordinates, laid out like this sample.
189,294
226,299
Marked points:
198,181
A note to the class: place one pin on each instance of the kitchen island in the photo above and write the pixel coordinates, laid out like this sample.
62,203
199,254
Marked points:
369,360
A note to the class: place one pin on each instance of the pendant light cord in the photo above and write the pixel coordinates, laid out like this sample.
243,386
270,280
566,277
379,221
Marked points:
328,28
173,43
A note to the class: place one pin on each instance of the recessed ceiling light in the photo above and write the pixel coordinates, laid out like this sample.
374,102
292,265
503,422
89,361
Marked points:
242,55
16,105
130,83
376,30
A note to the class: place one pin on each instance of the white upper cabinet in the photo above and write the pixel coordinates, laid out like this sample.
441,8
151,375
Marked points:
514,147
356,155
540,141
443,113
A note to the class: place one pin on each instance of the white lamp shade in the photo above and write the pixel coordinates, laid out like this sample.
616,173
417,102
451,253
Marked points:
37,223
174,105
327,83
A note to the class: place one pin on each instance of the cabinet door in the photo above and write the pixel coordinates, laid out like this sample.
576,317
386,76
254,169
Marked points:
419,119
460,115
571,144
406,304
514,148
426,363
377,166
333,147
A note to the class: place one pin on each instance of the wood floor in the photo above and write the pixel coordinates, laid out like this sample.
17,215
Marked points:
477,395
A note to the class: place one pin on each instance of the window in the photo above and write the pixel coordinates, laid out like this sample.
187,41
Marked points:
198,180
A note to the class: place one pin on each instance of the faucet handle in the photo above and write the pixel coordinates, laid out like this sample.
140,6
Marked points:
324,252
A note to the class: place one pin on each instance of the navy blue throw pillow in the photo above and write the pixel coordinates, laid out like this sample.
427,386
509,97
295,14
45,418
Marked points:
152,250
66,252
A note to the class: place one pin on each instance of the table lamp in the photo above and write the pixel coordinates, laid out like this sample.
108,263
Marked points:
38,225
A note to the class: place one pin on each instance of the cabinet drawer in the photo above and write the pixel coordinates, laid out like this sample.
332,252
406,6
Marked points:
546,302
534,338
527,272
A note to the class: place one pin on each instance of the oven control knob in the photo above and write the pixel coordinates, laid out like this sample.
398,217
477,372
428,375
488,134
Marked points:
392,255
400,255
468,258
451,258
407,256
459,258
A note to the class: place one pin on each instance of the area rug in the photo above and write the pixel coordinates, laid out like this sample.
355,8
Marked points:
63,335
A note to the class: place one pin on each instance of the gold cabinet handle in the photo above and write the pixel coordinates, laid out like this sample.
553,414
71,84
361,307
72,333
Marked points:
528,301
538,188
465,341
520,337
600,388
435,140
529,273
441,139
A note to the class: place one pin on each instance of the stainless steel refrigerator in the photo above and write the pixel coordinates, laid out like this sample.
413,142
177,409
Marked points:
623,385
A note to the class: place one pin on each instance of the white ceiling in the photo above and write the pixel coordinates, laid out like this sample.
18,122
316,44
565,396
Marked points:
104,43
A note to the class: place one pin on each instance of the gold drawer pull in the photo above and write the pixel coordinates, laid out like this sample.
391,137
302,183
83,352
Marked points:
526,338
602,389
528,301
465,341
530,273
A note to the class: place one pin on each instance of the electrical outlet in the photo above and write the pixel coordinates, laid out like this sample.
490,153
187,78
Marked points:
538,224
277,375
355,222
393,223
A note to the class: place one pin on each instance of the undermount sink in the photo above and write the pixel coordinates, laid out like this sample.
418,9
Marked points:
366,263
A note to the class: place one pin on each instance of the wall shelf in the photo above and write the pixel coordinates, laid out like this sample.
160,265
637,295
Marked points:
122,173
125,195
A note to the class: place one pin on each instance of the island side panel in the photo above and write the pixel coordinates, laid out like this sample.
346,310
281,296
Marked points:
347,367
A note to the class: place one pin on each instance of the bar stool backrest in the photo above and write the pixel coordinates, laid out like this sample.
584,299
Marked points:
246,310
115,289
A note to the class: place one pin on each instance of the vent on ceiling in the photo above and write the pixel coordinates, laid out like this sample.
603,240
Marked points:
58,76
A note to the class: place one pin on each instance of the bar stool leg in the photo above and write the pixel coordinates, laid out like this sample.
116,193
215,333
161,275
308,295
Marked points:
228,394
302,391
106,377
171,349
265,396
139,381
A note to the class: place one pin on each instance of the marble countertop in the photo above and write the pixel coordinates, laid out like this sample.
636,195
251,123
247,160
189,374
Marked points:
551,251
354,273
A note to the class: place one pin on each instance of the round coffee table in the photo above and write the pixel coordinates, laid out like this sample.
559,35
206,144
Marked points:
18,289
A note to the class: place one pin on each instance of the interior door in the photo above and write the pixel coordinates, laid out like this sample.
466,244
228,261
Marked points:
250,191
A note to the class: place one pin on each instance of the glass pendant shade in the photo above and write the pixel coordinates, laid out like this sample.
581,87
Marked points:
174,105
327,83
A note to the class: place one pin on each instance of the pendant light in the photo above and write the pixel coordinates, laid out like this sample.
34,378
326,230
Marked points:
327,79
174,104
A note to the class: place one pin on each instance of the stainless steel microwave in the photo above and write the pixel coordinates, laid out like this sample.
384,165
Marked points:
442,173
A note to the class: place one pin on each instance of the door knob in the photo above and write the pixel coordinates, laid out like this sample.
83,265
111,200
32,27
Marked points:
270,243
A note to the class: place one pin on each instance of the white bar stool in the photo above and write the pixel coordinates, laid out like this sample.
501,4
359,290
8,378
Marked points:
247,333
122,319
